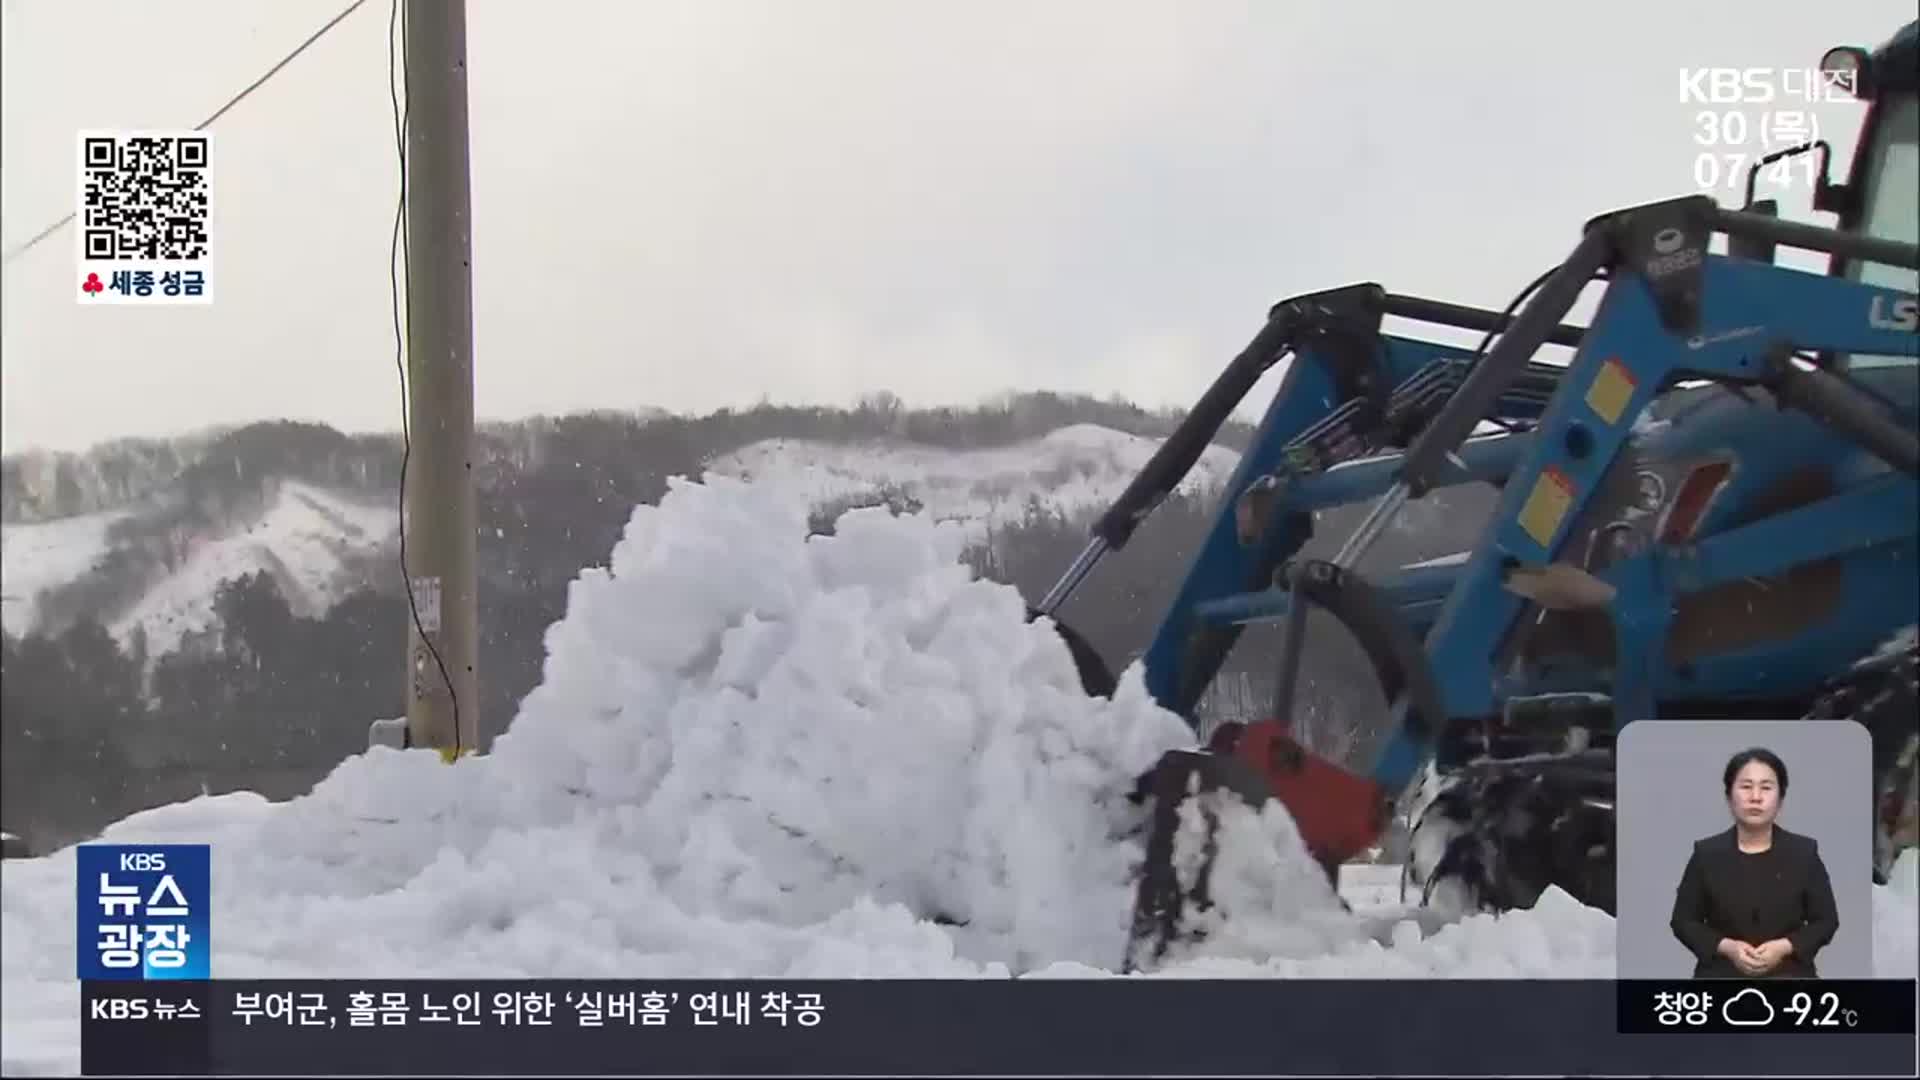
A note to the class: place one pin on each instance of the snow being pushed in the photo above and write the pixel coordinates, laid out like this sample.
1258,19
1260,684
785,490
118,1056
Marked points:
782,727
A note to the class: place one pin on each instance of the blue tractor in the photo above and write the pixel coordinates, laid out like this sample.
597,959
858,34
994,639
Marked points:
1708,511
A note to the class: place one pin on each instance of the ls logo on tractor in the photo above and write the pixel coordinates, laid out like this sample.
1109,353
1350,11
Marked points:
1902,314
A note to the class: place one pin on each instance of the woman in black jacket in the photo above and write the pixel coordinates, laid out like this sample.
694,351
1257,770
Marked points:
1755,901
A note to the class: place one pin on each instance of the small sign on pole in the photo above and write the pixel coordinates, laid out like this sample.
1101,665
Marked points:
426,599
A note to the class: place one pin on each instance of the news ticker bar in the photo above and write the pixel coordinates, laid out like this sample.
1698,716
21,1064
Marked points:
1107,1026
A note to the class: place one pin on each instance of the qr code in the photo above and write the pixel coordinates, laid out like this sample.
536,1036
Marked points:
143,197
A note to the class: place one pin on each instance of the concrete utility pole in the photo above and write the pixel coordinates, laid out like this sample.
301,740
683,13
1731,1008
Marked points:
439,515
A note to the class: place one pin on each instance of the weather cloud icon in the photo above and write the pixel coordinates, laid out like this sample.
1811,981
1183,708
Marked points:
1748,1008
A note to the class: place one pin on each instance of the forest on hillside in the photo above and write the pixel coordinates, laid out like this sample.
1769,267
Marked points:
210,471
272,701
551,494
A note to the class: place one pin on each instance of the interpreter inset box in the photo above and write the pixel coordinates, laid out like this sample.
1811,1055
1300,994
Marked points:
1744,850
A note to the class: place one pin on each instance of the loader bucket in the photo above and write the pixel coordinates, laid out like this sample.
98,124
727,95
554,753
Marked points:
1096,678
1338,813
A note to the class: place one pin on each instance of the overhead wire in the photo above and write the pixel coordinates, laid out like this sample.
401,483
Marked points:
217,114
398,249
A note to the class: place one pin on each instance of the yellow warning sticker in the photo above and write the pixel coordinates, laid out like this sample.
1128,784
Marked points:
1547,506
1612,389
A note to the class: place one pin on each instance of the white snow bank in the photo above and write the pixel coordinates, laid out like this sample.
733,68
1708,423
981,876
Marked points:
756,753
1896,919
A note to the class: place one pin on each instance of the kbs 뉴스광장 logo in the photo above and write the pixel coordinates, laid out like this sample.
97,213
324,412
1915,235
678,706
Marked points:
142,912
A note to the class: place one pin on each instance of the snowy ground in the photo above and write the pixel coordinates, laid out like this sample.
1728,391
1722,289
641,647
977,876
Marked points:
755,754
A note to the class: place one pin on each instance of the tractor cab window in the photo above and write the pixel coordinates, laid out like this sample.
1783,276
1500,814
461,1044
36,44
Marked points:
1888,207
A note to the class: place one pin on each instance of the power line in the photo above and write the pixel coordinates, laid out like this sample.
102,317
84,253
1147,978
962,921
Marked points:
218,113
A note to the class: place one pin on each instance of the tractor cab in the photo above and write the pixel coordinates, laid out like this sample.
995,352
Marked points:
1881,195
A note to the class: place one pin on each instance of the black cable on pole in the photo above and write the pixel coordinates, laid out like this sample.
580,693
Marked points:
217,114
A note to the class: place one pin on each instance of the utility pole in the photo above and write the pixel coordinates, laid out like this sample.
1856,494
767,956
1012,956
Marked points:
438,513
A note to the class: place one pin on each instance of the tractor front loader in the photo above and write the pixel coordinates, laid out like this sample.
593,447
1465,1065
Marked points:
1709,511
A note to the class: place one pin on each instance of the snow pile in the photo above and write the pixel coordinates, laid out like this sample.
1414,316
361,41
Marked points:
742,735
1896,919
759,753
1268,897
753,753
823,721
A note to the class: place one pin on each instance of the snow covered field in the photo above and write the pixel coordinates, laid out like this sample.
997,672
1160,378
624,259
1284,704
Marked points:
758,754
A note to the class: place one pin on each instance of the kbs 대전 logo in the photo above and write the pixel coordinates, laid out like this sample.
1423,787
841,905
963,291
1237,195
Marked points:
141,912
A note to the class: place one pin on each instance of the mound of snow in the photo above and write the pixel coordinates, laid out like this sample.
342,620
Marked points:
1896,919
753,753
759,753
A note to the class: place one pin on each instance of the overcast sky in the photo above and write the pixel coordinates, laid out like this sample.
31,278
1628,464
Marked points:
694,204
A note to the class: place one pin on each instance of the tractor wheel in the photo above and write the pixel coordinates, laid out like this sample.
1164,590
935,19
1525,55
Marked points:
1493,835
1882,694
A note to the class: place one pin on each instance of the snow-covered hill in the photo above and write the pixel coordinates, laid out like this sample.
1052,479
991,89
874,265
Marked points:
1069,468
46,554
315,541
306,538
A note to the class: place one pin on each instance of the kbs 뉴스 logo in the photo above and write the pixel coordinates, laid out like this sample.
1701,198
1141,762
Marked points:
141,912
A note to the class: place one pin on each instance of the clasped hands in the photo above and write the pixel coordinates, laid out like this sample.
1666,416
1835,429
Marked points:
1756,959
